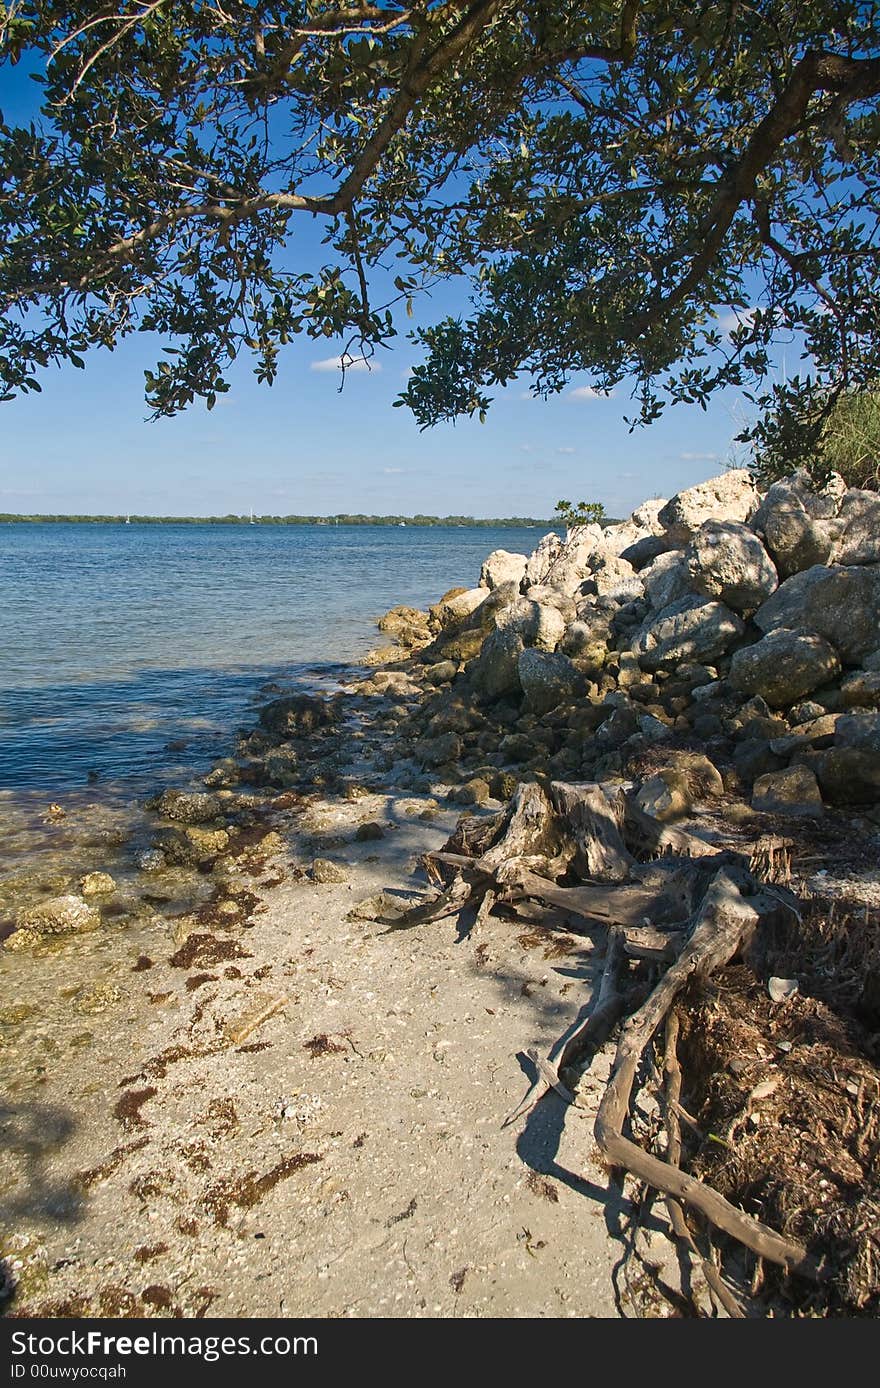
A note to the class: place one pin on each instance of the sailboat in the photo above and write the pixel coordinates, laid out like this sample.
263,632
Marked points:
252,521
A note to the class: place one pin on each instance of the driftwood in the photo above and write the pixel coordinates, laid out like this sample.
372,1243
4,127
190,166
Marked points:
726,926
686,909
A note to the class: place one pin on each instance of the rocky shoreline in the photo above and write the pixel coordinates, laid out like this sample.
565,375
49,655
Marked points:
717,655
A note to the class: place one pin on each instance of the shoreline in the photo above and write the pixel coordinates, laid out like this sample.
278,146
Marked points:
319,1055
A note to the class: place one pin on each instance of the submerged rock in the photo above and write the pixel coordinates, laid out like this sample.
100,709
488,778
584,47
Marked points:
60,915
187,806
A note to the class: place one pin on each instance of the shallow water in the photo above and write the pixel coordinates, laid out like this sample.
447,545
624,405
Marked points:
118,639
129,655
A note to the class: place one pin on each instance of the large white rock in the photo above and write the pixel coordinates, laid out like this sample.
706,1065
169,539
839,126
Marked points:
666,580
727,561
533,623
731,497
797,522
858,528
692,630
784,667
841,604
502,567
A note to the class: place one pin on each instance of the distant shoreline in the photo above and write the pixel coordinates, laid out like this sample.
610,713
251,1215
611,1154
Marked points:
466,522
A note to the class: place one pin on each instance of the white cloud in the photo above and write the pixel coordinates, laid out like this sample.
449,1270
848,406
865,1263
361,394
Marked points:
565,450
735,318
589,393
392,471
699,457
354,364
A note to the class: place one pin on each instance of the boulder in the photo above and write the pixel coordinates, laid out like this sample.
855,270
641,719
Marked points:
784,666
689,630
60,915
187,806
642,551
727,561
495,672
666,580
841,604
796,521
849,772
664,796
793,791
858,526
552,597
442,673
326,872
861,689
548,678
731,497
97,884
534,623
613,578
575,560
542,559
502,567
408,625
296,713
453,610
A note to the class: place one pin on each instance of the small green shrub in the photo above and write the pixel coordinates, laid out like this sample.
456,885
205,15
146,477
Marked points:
843,438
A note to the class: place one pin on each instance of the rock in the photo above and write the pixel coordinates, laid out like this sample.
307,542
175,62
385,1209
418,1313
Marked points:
689,630
642,551
408,625
793,791
841,604
97,884
534,624
731,497
540,562
297,713
151,860
819,732
849,776
473,792
665,796
666,580
453,610
495,672
437,751
858,526
208,843
797,523
784,666
861,689
548,678
574,561
702,778
441,673
463,646
368,831
614,578
502,567
552,597
187,806
327,872
753,758
728,561
61,915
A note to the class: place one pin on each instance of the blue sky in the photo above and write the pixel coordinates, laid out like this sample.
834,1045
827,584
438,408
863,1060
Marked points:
84,444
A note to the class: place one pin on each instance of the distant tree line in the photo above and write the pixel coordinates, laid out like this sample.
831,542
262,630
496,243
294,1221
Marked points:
423,521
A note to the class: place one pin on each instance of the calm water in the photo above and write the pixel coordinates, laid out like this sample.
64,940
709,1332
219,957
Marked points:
116,640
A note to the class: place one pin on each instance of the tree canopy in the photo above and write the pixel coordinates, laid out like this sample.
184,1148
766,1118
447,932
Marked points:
612,178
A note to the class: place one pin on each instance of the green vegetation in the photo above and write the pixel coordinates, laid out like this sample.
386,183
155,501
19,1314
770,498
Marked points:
611,177
584,513
462,522
844,437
